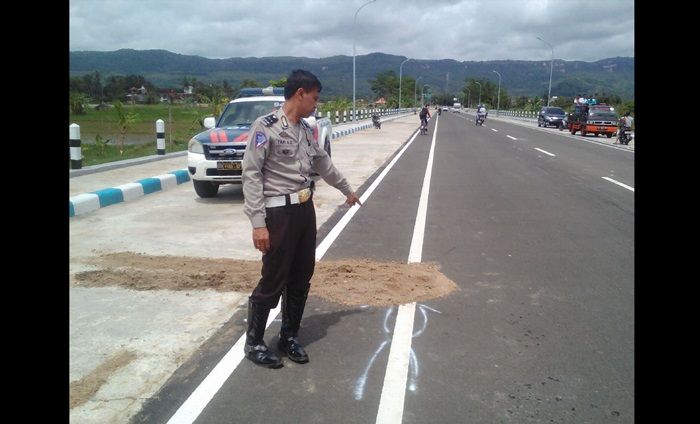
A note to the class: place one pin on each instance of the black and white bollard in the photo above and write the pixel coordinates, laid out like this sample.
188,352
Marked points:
76,157
160,137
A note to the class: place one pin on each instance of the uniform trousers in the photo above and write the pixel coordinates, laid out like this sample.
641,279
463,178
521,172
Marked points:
289,264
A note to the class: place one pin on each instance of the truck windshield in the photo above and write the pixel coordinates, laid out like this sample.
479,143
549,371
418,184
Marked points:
605,114
242,114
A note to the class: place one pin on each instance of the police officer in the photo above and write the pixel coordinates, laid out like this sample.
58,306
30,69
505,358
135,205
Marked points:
278,190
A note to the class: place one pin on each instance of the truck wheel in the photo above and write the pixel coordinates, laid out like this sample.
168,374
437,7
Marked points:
327,147
609,135
205,189
573,131
583,132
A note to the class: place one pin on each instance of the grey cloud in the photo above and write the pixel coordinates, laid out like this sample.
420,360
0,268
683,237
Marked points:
443,29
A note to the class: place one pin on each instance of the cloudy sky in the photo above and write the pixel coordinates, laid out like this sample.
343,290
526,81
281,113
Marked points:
464,30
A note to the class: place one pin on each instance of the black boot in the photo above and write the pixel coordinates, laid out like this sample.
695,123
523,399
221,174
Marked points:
255,348
292,311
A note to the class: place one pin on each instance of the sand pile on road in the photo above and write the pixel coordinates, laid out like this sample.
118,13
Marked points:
348,281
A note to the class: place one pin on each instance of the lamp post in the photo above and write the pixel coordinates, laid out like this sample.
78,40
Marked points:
479,90
353,56
422,96
551,67
400,75
498,108
469,93
415,86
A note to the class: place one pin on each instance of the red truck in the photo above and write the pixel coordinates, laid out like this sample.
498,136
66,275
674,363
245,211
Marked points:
593,119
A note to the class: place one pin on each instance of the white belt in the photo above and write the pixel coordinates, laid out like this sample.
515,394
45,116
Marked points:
299,197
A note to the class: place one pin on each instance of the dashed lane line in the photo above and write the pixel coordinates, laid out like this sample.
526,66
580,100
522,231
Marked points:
619,183
544,151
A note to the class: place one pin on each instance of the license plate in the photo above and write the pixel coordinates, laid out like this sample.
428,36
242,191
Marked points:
235,166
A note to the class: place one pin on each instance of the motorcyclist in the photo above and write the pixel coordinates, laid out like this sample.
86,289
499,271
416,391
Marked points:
439,110
481,113
424,115
625,125
375,120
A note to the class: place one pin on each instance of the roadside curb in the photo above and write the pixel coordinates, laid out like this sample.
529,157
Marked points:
88,202
347,131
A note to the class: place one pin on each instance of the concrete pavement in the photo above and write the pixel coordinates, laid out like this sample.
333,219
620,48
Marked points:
124,344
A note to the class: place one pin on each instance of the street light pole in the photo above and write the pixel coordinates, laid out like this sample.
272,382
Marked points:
415,86
400,75
551,67
498,108
422,96
353,57
479,90
469,94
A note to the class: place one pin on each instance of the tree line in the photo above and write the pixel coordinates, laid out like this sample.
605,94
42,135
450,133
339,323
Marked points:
93,88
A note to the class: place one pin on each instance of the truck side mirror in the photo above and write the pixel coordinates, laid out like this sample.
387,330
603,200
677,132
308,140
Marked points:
209,122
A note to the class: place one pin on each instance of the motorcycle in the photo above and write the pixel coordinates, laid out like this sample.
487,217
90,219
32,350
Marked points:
625,137
480,120
424,127
376,122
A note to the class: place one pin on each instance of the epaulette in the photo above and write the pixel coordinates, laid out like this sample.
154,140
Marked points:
269,119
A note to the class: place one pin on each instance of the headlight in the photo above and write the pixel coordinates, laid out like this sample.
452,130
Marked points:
195,146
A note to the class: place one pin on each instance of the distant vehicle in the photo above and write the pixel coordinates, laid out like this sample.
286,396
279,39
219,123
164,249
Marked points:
596,119
215,156
550,116
456,107
445,108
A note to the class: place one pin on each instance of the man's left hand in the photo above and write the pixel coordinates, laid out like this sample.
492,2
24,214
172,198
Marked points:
352,199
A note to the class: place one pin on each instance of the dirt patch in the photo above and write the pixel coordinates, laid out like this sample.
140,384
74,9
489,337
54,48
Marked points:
84,389
348,281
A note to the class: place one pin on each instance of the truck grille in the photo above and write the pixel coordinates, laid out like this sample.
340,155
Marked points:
601,122
212,152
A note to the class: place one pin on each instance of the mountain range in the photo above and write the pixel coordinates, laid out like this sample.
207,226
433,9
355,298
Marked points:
612,76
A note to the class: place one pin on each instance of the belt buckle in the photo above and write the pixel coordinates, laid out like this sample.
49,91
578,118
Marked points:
304,195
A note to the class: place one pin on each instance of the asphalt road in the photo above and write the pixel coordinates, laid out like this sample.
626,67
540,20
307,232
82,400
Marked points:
535,228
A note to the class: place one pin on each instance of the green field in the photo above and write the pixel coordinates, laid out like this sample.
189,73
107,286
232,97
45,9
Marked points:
99,131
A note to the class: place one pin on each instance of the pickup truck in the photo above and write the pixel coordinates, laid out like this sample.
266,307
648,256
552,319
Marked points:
215,156
596,119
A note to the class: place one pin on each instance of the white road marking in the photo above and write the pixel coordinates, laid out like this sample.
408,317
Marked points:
188,412
394,387
512,138
619,183
199,399
335,232
494,130
545,152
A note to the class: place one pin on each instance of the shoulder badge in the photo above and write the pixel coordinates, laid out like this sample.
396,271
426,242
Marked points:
269,119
